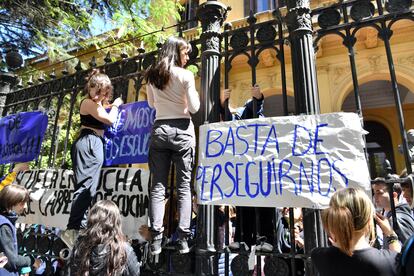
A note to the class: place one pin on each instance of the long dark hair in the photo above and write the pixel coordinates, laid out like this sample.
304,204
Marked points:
159,74
104,227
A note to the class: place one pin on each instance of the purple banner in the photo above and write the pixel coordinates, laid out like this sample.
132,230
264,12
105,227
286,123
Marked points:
127,141
21,136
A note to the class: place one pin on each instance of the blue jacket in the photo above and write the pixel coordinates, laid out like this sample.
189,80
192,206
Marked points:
8,245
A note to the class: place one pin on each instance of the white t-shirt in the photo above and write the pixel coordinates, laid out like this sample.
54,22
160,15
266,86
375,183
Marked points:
179,97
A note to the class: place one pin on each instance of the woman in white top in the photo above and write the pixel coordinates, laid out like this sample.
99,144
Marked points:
171,91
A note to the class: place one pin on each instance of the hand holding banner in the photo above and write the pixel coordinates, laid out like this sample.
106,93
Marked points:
295,161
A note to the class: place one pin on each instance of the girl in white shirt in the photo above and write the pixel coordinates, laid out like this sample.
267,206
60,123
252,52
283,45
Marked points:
171,91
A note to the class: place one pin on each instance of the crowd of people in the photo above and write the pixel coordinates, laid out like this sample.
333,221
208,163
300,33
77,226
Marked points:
353,222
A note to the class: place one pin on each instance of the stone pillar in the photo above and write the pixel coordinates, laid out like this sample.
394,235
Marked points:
211,14
7,81
298,19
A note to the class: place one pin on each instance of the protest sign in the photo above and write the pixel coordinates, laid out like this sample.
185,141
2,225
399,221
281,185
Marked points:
21,136
292,161
127,141
51,193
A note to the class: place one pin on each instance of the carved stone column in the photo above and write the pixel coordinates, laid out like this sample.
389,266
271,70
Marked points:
298,19
211,14
7,81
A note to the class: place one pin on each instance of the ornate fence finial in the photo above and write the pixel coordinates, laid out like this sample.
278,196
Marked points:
19,84
41,77
92,63
30,81
141,48
65,70
78,66
52,74
124,54
108,58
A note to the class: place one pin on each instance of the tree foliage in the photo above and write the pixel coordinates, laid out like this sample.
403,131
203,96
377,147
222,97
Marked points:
59,26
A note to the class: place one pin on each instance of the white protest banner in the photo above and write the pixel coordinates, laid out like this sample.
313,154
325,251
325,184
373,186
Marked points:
292,161
51,193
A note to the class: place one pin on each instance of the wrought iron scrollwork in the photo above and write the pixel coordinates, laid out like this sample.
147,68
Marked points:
362,10
69,82
113,70
397,5
130,66
56,86
328,18
266,34
194,51
239,40
148,61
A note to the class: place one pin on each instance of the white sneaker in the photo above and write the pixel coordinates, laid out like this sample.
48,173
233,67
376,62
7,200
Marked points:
69,237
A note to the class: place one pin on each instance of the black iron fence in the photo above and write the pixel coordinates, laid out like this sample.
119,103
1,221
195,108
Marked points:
60,98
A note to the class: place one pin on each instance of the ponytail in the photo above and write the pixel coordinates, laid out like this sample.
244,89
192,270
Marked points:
338,222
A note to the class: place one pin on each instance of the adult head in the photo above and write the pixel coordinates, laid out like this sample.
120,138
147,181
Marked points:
349,216
381,195
13,197
103,228
98,87
174,52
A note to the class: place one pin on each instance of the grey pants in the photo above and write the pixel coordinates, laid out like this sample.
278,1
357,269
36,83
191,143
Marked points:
87,158
171,140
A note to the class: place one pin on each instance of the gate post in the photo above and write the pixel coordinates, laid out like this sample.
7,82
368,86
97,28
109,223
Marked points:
211,14
7,81
299,22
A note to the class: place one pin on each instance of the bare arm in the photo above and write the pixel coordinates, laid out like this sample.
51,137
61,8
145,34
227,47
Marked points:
98,112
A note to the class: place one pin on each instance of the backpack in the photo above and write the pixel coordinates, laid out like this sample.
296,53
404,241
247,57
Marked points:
407,253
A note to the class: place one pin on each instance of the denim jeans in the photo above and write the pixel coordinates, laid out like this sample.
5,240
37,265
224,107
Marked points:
171,141
87,158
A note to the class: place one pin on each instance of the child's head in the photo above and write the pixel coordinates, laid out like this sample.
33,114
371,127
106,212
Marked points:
350,212
13,197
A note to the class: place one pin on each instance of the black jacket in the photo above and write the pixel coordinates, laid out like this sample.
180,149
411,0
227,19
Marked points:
98,261
405,221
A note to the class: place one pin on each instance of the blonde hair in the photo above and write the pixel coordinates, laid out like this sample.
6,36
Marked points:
101,82
350,211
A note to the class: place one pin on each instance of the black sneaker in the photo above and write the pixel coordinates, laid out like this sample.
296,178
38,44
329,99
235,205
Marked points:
156,247
183,246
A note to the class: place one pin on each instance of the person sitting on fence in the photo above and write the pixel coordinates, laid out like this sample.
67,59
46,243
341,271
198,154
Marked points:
87,152
9,178
348,222
171,91
405,220
245,218
101,248
13,201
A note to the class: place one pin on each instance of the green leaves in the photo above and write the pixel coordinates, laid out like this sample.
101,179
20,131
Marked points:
57,26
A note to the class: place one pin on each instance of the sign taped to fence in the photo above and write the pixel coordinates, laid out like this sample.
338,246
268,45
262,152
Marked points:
127,141
292,161
21,136
51,193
